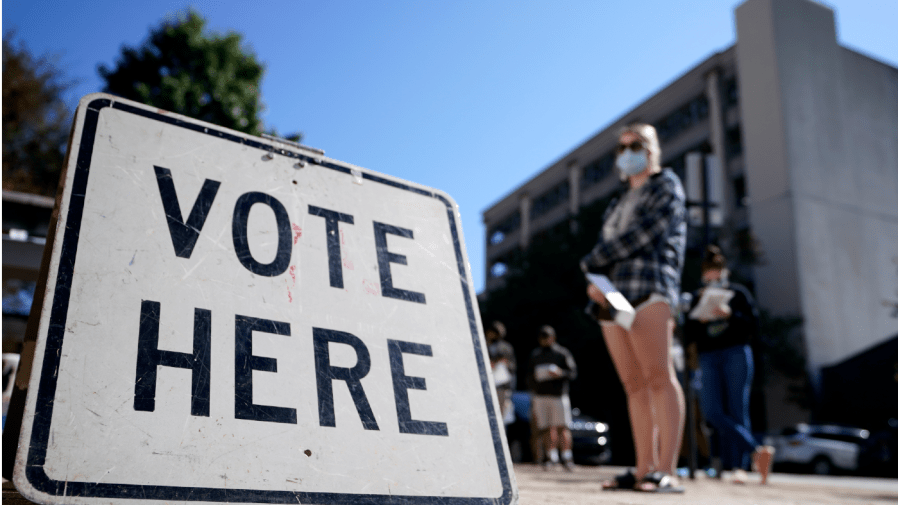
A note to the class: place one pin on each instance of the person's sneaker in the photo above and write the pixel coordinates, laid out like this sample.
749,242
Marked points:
569,466
549,465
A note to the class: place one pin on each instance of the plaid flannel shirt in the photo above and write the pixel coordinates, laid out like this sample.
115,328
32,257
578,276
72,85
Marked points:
647,257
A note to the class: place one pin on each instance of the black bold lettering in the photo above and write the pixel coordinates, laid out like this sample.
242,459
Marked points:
326,374
245,363
334,262
402,383
149,357
385,257
241,242
184,234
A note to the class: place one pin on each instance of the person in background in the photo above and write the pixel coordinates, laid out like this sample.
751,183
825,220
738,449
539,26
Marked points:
641,248
722,339
549,373
504,367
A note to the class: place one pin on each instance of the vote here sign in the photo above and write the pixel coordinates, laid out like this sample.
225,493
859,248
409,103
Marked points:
230,319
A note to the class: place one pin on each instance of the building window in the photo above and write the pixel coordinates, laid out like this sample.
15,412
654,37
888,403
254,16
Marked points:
597,170
734,141
498,269
739,191
730,92
555,233
678,162
547,201
505,228
17,297
683,118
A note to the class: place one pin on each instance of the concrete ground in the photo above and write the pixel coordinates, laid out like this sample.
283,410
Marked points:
583,486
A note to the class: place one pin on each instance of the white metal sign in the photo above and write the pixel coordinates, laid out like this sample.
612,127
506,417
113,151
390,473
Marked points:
230,319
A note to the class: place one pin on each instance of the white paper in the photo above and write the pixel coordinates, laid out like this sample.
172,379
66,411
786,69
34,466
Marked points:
546,372
501,375
711,298
623,312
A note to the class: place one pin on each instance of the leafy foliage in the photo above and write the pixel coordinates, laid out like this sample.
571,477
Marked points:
36,120
184,69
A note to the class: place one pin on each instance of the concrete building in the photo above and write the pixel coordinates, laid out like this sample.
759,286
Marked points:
799,136
26,219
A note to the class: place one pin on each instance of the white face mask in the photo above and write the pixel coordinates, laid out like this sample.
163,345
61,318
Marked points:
631,163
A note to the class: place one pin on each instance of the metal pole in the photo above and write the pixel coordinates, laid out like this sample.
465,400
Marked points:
690,419
706,208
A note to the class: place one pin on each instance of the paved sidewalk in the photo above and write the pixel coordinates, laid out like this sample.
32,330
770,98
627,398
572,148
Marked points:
583,486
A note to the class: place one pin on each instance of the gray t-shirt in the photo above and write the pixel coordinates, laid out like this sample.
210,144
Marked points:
623,214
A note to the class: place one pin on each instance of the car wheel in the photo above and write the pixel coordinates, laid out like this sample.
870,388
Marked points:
821,465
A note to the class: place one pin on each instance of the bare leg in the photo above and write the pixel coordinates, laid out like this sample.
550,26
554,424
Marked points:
552,442
762,460
565,435
651,337
622,354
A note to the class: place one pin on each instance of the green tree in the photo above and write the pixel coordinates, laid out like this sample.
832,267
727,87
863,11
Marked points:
36,120
183,68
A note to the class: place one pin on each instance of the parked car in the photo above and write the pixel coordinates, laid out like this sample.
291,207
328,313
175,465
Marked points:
590,437
821,449
879,455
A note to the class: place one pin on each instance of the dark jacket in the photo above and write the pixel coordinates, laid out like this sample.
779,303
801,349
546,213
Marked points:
552,354
737,330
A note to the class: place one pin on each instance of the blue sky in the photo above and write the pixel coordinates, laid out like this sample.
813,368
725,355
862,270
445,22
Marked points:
470,97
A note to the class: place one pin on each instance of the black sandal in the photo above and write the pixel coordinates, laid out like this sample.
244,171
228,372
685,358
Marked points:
662,482
624,481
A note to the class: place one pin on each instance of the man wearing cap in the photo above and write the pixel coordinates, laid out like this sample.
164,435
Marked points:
550,371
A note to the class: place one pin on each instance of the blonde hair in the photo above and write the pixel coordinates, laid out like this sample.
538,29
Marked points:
649,136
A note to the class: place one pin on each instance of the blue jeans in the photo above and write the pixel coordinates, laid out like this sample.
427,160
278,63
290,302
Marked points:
725,387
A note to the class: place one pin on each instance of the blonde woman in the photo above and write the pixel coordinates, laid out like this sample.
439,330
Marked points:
641,248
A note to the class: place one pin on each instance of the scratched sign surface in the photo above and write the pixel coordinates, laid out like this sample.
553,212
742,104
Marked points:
229,319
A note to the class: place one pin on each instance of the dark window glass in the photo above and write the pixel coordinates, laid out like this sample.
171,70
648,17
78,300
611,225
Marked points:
730,92
505,227
17,296
734,141
550,199
682,118
739,190
678,161
597,170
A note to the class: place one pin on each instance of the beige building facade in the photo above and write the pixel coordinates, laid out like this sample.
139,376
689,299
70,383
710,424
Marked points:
799,137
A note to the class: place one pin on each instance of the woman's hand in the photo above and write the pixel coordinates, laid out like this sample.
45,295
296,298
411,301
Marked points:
595,294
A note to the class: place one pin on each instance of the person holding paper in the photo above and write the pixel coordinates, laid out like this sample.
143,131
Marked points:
721,335
504,367
640,250
550,371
